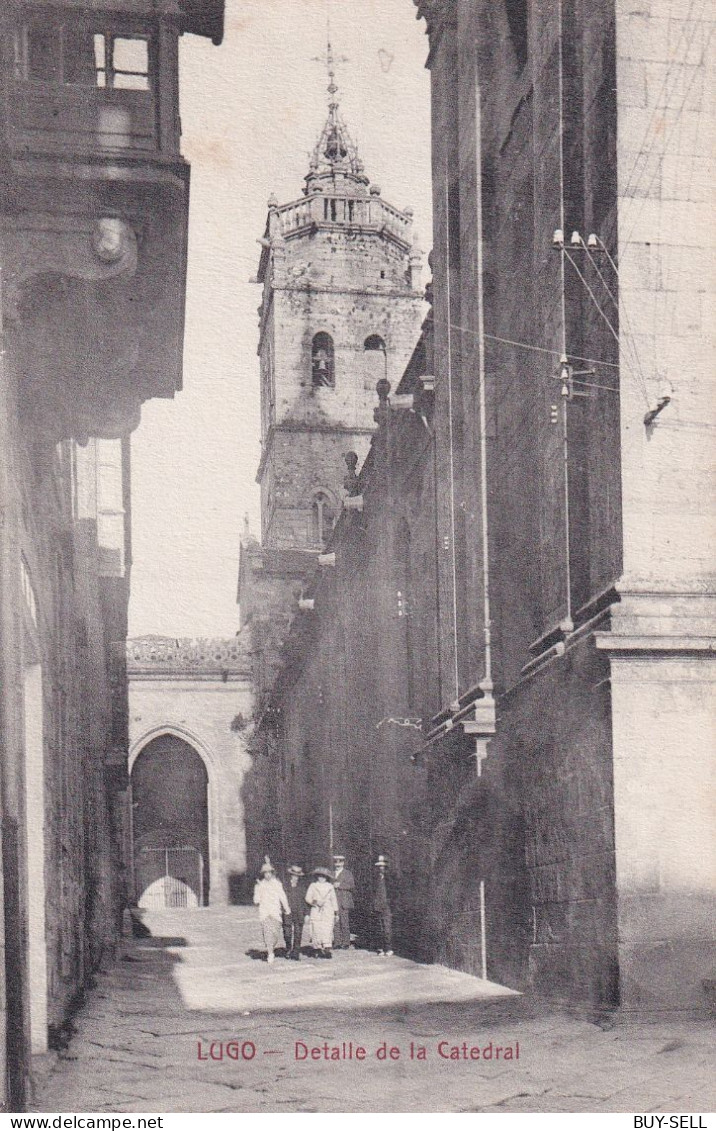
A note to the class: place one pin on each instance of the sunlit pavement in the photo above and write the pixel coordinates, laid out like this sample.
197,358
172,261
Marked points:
150,1037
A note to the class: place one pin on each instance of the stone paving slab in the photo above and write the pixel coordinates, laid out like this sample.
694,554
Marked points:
191,983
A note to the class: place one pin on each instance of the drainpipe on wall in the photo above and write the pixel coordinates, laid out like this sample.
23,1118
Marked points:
482,725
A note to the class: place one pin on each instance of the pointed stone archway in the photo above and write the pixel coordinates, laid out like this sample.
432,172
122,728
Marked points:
170,826
165,745
196,692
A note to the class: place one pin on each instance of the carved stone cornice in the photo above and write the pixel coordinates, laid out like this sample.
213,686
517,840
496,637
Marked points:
184,657
654,621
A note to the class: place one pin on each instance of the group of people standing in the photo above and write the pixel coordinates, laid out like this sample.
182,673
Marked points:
327,900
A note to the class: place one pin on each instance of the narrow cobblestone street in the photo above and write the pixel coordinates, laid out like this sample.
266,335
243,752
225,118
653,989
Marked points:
142,1037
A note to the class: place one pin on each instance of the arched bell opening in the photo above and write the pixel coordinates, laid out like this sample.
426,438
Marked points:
323,373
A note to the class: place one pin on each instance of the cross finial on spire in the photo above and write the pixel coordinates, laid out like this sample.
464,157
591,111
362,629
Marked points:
335,153
332,88
330,61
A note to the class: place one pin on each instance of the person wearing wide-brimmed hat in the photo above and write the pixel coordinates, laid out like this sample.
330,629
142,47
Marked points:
382,915
293,923
344,885
321,898
272,904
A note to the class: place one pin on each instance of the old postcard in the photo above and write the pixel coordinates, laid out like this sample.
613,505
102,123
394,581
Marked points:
356,547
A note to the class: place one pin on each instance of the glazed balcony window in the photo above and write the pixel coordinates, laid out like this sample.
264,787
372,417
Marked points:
122,63
78,56
88,89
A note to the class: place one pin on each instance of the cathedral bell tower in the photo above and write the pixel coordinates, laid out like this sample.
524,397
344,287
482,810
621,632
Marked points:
341,309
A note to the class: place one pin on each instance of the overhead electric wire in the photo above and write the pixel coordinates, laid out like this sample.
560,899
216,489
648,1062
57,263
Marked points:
629,344
608,324
552,352
628,193
642,201
603,281
645,146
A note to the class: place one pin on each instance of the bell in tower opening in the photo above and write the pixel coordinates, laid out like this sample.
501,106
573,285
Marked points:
322,367
335,148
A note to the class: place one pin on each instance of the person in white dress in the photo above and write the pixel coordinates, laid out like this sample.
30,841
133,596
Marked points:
321,898
272,904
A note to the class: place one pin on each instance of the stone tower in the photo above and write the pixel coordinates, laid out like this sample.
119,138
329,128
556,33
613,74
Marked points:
341,309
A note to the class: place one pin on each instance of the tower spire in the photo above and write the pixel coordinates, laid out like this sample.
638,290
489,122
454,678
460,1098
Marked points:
335,154
334,147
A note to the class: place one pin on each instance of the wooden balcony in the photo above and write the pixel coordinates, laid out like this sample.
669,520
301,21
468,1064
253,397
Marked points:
89,86
71,120
94,205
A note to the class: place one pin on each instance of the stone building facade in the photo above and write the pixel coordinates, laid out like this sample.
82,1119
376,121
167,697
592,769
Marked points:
500,674
190,724
93,218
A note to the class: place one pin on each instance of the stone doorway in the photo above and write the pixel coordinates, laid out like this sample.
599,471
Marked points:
170,826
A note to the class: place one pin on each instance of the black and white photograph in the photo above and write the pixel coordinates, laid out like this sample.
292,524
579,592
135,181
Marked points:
357,547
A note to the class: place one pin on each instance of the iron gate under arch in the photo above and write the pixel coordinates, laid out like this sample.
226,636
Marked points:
169,878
